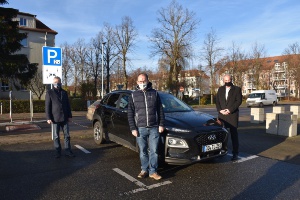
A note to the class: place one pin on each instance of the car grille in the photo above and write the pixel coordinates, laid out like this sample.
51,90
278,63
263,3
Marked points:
210,138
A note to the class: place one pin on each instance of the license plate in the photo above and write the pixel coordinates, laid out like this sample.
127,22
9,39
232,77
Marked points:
211,147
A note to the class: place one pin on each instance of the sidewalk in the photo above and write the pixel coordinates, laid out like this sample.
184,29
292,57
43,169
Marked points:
254,140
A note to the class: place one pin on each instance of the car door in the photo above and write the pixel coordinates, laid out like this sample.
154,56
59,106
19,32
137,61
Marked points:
109,109
121,119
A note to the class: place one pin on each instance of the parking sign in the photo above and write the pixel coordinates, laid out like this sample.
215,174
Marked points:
52,63
52,56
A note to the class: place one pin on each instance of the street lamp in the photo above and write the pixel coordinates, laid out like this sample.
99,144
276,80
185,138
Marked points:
103,43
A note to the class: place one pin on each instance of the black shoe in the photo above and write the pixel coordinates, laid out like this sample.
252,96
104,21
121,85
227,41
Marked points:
234,157
57,155
70,155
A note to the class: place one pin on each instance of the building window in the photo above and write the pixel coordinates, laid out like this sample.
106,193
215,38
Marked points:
23,21
24,42
4,86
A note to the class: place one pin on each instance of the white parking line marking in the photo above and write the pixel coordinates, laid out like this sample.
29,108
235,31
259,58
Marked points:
82,149
138,183
143,187
243,159
246,158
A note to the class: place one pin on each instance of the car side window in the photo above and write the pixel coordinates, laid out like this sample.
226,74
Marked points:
113,99
105,99
123,103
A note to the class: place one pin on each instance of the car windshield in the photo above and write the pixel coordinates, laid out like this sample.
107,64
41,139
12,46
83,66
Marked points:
172,104
255,95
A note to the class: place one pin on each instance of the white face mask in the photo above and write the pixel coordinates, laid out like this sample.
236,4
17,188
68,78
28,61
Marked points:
142,86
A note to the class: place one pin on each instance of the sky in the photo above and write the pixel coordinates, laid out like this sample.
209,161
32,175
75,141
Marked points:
275,24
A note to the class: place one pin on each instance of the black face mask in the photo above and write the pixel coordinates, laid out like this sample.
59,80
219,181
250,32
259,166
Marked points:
57,85
228,84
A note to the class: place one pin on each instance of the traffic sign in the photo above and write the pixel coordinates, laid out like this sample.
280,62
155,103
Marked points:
52,63
52,56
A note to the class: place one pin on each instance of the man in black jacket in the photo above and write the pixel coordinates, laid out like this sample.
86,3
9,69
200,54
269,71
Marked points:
146,122
58,113
228,100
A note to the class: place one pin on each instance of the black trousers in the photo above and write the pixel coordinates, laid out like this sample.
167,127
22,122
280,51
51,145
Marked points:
234,137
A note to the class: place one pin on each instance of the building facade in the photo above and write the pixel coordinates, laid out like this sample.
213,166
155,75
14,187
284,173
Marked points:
38,35
274,74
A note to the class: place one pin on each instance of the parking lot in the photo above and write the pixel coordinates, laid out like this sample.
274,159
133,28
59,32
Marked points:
269,168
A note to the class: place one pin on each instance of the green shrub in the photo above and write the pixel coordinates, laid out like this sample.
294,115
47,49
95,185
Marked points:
78,104
23,106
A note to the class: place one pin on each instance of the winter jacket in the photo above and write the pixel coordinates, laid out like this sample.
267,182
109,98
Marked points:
145,109
57,106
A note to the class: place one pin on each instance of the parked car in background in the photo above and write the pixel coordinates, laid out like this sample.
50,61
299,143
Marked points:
262,98
190,136
91,109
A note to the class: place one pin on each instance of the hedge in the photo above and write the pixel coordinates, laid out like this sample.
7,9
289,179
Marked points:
23,106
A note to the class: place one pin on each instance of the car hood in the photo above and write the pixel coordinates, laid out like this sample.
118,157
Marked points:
193,120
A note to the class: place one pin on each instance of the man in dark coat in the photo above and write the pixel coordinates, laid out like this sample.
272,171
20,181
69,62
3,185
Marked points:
228,100
146,122
58,113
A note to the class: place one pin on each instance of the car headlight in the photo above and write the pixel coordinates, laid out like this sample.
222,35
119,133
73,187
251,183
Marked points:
176,142
178,130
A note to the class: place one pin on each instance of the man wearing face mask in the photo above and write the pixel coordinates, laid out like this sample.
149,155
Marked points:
146,122
58,113
228,100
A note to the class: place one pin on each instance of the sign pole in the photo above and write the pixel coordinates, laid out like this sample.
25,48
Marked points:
10,106
31,106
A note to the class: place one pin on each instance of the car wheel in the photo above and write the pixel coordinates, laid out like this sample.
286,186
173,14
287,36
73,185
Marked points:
98,133
261,105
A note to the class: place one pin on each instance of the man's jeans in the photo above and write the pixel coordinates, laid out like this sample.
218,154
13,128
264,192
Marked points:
65,129
149,161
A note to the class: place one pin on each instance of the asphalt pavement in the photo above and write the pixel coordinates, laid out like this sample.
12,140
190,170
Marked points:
253,137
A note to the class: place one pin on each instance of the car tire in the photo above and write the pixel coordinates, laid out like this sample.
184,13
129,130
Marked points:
261,105
98,133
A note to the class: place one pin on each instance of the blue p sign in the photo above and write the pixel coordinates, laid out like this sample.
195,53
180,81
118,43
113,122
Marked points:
52,56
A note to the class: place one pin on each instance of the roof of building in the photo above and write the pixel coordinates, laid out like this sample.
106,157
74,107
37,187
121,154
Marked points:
40,26
266,63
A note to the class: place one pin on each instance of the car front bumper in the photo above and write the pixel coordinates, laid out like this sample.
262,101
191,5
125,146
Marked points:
195,151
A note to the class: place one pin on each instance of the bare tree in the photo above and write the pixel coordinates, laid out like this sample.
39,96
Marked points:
67,64
110,52
235,64
210,53
78,56
94,60
126,35
293,60
36,85
174,38
257,53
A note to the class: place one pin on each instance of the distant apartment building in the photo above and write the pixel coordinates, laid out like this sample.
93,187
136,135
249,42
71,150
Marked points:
273,74
38,35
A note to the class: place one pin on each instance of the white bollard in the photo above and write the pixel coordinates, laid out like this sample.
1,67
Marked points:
278,109
295,110
257,115
271,123
287,125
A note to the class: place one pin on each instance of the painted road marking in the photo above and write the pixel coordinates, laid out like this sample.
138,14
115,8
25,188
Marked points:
142,186
82,149
243,159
